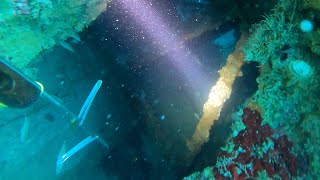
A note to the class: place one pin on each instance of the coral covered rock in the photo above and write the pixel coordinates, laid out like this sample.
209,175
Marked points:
256,149
28,27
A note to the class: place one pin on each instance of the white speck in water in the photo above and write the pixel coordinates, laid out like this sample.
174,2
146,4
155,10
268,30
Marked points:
196,115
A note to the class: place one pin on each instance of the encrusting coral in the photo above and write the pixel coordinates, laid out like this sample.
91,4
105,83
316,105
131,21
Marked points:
255,149
218,95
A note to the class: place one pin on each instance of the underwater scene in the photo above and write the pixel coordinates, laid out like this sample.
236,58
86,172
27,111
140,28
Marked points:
159,89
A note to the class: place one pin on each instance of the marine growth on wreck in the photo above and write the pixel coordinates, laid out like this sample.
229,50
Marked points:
148,89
